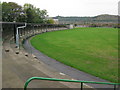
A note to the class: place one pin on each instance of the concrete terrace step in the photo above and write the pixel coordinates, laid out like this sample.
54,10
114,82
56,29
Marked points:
17,68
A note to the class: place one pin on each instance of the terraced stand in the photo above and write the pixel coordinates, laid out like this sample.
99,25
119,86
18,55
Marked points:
18,65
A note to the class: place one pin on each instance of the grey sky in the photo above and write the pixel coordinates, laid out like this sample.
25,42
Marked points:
74,7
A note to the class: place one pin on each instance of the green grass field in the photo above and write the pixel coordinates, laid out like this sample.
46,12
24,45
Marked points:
92,50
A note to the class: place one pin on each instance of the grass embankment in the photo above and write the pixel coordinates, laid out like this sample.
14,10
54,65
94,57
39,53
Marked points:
92,50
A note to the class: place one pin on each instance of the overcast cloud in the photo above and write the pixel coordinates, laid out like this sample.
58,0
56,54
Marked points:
74,7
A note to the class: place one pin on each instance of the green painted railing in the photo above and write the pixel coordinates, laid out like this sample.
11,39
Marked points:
66,80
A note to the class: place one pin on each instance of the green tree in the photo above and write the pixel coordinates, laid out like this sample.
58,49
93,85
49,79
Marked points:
34,15
11,11
0,11
50,21
28,13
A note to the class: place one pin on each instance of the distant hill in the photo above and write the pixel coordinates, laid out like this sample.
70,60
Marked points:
104,18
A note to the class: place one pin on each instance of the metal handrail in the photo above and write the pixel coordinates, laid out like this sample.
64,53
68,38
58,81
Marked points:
66,80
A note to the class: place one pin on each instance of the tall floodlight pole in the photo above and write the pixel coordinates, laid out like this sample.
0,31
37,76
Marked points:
17,35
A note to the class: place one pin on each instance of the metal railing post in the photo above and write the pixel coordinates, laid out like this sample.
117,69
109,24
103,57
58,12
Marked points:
114,87
81,86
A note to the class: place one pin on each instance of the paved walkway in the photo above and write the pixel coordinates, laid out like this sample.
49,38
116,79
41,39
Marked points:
74,73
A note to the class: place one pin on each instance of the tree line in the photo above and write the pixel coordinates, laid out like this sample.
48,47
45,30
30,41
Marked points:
12,12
